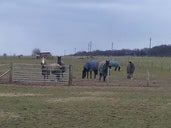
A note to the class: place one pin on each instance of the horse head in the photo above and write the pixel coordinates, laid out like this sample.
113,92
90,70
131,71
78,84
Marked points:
43,63
61,63
59,60
84,73
106,65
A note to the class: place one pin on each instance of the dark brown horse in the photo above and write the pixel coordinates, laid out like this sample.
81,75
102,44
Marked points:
130,70
62,64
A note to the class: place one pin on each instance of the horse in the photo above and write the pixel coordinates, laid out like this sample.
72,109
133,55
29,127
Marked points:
89,67
115,64
103,69
62,64
130,70
48,69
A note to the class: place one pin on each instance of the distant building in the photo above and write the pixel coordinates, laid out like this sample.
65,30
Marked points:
44,54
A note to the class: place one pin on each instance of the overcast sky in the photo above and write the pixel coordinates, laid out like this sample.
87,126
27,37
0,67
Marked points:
63,26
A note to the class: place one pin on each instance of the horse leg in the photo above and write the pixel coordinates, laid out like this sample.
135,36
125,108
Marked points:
90,74
115,68
100,77
104,78
128,76
131,76
87,74
58,75
95,73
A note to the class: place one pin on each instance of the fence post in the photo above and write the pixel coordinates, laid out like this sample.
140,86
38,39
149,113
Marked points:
11,72
108,75
70,75
148,78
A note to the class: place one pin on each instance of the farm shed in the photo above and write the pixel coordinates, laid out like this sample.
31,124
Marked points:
44,54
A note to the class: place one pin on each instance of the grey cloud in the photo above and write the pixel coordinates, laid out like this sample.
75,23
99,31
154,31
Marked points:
57,25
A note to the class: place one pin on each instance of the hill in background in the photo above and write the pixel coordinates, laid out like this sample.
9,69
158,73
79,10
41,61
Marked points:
158,51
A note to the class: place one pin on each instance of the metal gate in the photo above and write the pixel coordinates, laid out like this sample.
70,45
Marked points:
32,74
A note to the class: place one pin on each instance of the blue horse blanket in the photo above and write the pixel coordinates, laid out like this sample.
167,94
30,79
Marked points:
115,64
91,65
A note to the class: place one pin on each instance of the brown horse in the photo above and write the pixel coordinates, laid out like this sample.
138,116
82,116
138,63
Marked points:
130,70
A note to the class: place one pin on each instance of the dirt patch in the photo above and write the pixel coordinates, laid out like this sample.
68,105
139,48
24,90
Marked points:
96,94
122,83
70,99
8,115
77,99
19,94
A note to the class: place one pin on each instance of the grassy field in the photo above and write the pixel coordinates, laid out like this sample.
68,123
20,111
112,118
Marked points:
159,68
121,103
81,107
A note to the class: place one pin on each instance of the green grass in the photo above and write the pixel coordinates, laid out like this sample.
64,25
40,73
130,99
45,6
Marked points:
99,106
159,67
80,107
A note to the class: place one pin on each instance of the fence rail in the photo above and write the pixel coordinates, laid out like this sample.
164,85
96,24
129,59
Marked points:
4,73
32,73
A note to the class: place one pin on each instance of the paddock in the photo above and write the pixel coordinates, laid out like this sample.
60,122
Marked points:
149,72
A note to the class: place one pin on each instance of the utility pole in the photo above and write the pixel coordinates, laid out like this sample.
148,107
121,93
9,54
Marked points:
64,52
149,51
112,46
150,42
88,47
75,50
91,46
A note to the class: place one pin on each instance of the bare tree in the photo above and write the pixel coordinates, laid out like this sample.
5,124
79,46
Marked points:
36,52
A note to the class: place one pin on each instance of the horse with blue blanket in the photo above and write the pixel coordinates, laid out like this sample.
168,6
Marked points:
130,70
90,66
103,69
115,64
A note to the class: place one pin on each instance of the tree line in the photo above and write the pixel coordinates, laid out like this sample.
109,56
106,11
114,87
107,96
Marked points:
158,51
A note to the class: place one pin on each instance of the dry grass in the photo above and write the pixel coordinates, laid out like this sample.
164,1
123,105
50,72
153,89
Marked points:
8,115
20,94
